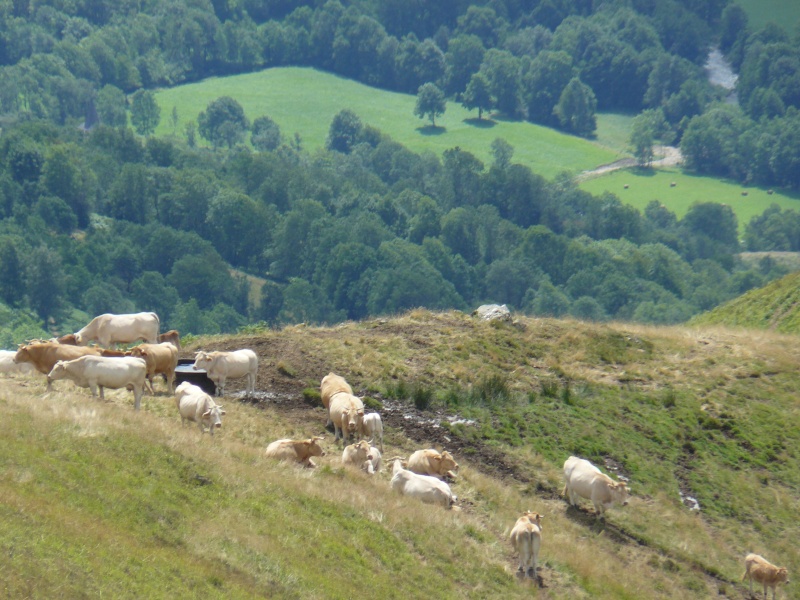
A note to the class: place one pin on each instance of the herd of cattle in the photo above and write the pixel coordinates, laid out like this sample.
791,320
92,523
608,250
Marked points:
424,475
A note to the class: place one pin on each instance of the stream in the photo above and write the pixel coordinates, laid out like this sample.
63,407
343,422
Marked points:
720,73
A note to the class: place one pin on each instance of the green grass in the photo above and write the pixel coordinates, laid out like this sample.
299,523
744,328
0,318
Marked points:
647,185
760,12
305,100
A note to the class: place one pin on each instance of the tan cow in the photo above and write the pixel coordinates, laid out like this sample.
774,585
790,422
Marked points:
357,454
172,336
347,414
299,451
756,567
104,372
44,355
332,384
583,479
526,537
431,462
160,359
111,329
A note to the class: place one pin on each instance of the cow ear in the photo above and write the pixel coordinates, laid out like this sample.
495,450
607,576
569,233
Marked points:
208,412
222,412
437,458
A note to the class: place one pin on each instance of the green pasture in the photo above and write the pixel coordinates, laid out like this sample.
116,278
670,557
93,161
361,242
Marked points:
760,12
645,185
305,100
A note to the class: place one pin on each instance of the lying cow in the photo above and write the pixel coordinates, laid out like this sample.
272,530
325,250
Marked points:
583,479
431,462
372,427
299,451
104,372
526,538
423,487
44,355
347,414
109,329
372,465
172,336
757,568
198,407
357,454
221,366
160,359
332,384
9,367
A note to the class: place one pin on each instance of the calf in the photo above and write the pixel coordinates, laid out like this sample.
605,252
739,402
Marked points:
197,406
372,427
298,451
757,568
372,465
356,454
526,537
103,372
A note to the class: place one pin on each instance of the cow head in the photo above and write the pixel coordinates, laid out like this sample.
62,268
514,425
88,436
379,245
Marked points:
22,354
447,462
782,576
58,371
354,418
619,492
533,517
214,415
313,447
202,360
79,339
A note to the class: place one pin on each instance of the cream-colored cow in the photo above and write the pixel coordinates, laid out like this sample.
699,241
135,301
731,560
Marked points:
583,479
296,451
430,462
526,537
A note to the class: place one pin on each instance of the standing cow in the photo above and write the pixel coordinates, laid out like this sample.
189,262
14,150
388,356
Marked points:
762,571
583,479
198,407
331,385
104,372
372,427
44,355
347,414
111,329
526,537
160,359
220,366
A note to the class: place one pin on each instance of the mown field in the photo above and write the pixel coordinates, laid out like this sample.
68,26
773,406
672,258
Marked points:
97,500
760,12
645,185
305,100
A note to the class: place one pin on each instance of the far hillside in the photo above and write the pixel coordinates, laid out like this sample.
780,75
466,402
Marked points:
760,12
776,306
304,101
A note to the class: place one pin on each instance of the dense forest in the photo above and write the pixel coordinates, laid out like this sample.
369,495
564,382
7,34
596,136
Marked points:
98,215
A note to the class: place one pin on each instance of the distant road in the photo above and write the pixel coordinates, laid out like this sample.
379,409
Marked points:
669,156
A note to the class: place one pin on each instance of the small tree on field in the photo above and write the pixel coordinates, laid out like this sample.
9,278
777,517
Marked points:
477,94
430,102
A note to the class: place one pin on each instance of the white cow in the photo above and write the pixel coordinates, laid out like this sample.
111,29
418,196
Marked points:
423,487
526,537
197,406
221,365
8,366
372,465
111,329
583,479
372,427
104,372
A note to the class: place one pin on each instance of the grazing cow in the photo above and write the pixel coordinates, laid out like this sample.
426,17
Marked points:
431,462
44,355
221,365
423,487
372,427
372,465
104,372
583,479
111,329
197,406
172,336
299,451
526,537
160,359
332,384
347,414
756,567
356,454
8,366
68,339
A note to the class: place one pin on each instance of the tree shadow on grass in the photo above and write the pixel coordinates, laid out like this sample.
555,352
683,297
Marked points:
432,130
481,123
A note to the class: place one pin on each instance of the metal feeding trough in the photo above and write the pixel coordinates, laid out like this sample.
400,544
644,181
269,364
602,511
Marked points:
199,377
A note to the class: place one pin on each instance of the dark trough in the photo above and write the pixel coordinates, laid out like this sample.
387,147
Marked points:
185,372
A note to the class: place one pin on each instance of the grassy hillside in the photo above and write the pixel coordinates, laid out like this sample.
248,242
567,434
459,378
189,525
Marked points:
647,185
760,12
305,100
98,500
776,307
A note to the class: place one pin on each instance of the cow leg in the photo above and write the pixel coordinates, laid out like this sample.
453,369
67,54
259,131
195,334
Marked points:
137,396
221,386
